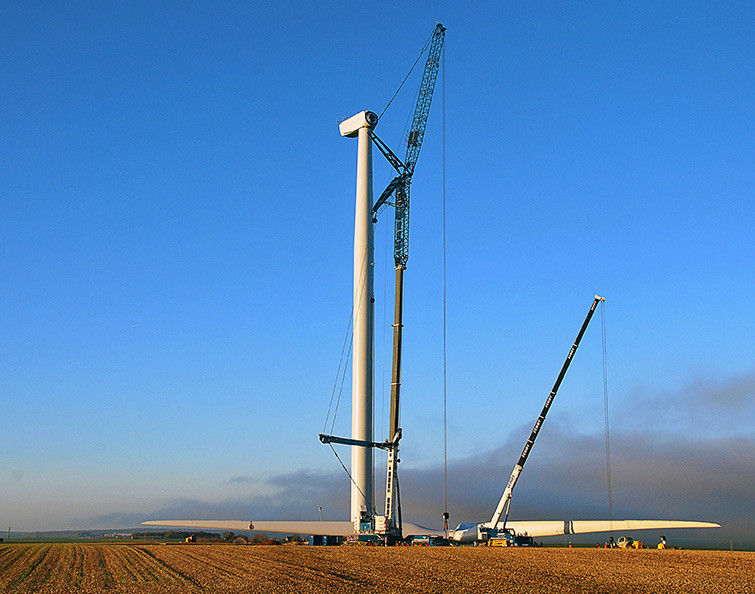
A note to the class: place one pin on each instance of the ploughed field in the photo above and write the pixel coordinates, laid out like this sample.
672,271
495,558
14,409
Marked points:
70,567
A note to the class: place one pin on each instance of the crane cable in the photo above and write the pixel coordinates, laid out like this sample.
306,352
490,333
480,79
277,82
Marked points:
372,510
343,366
341,375
422,51
605,409
445,357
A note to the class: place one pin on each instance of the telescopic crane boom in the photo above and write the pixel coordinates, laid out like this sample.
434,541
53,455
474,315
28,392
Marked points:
505,502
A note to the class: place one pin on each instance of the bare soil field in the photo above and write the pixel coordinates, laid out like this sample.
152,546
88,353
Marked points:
69,567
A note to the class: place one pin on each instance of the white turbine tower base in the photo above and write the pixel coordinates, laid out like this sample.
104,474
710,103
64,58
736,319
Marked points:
363,361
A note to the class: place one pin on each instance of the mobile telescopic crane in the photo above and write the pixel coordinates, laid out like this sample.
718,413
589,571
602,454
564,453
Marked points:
389,525
491,529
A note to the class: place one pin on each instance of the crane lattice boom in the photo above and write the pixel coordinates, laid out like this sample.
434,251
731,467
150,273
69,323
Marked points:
401,183
414,144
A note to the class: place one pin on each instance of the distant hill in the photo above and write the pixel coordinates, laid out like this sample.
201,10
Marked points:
112,534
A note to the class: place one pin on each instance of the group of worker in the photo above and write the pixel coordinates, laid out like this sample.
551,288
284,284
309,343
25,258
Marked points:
636,544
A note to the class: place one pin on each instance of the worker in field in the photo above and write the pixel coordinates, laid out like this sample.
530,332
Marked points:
662,544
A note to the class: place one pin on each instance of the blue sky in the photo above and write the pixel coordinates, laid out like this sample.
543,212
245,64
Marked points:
176,214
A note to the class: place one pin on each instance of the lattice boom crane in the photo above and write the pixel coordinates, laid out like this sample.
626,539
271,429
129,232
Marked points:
401,185
389,525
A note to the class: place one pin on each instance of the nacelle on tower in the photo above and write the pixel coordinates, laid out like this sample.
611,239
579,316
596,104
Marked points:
364,119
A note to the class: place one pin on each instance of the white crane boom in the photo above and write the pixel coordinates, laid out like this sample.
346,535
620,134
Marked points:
505,502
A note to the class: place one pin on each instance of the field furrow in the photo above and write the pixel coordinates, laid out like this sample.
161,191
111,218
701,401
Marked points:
9,556
285,569
188,568
166,568
129,566
20,574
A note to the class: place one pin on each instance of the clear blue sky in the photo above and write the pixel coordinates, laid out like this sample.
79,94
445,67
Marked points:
176,219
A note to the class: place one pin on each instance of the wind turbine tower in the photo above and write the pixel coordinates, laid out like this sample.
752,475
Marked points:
363,358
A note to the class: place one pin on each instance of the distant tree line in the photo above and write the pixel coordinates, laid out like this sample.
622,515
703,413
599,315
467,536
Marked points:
258,538
175,535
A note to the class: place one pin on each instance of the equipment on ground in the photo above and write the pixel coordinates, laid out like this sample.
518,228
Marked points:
426,540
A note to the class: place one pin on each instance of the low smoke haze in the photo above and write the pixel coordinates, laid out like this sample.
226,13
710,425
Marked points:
665,471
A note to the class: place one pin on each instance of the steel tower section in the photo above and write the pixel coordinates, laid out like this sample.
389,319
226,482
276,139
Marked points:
361,126
363,362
